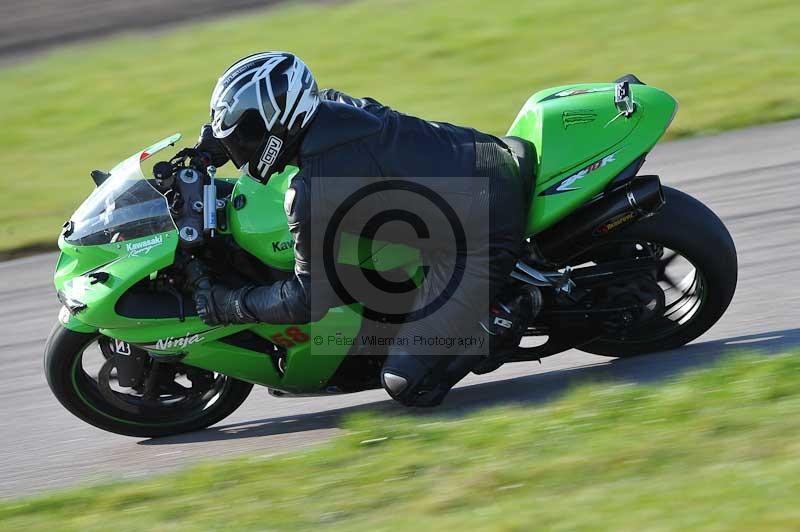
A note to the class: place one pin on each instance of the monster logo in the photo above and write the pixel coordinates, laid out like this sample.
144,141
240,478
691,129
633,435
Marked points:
578,116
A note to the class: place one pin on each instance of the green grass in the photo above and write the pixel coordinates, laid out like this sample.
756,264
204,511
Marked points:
718,449
730,64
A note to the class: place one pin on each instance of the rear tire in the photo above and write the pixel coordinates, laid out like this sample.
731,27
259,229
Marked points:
685,225
62,364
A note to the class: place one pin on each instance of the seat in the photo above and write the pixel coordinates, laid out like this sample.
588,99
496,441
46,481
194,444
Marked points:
525,153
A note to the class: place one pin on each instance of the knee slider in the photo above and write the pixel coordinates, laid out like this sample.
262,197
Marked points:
411,383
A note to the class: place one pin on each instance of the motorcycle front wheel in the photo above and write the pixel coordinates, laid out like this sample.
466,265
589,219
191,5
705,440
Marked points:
179,399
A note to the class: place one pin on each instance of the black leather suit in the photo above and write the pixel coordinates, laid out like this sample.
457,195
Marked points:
362,142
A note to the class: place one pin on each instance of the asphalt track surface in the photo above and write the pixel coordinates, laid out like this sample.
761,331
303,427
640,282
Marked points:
28,27
749,177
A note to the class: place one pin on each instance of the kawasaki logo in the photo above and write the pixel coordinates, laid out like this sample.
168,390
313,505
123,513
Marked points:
172,342
144,247
282,246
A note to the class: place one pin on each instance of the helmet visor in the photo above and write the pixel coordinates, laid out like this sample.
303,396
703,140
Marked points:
245,139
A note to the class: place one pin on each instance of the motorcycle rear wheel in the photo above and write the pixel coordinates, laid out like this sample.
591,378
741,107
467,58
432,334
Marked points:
694,232
80,393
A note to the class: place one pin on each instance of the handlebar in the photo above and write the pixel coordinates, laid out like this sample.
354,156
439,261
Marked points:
197,275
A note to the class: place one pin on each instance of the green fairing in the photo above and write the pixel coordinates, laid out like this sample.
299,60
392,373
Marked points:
124,270
570,133
308,367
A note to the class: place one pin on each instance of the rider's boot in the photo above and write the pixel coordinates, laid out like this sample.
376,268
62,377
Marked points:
506,323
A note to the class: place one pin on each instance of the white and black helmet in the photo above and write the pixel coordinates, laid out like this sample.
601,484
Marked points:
260,108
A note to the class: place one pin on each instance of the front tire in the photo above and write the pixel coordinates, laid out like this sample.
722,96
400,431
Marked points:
687,226
80,394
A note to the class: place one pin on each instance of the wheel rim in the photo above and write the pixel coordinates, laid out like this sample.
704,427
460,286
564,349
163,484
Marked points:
685,292
131,407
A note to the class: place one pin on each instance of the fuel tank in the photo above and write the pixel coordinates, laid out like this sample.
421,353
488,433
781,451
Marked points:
258,221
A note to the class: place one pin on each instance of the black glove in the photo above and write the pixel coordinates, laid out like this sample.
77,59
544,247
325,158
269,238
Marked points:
209,144
219,305
216,303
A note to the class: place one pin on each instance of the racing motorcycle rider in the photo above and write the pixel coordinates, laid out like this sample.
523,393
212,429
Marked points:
267,113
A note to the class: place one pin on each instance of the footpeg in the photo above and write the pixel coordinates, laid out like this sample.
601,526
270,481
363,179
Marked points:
506,323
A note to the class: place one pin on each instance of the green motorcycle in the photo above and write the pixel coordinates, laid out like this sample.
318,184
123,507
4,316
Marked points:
625,267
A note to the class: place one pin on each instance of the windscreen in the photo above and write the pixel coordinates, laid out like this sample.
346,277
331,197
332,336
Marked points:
123,207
